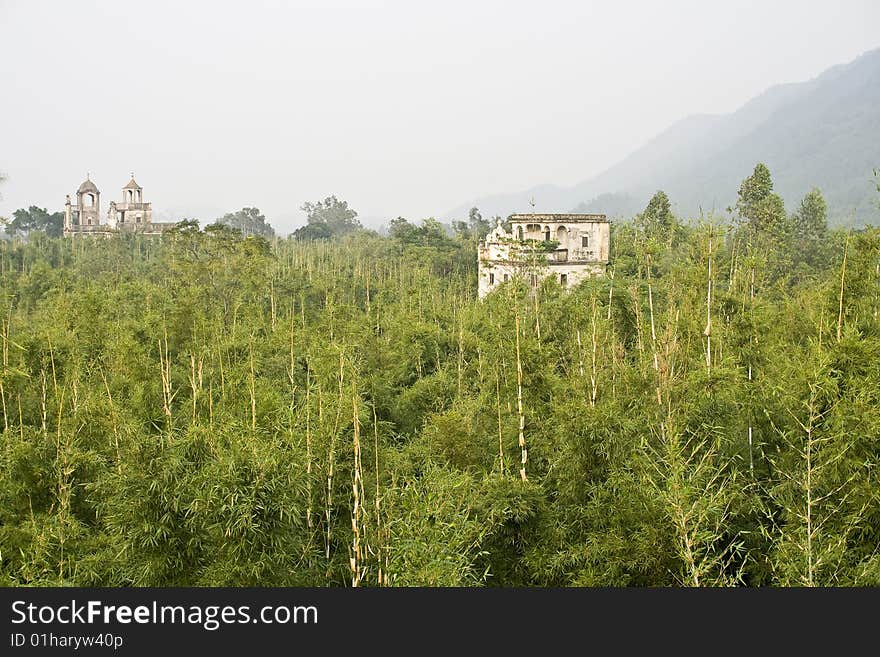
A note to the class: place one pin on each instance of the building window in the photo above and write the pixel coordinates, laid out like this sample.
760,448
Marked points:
585,241
505,278
491,279
563,279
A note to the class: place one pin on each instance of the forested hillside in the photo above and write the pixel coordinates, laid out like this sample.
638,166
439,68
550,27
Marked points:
212,410
817,133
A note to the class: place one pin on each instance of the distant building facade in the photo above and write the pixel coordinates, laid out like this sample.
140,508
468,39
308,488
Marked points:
569,247
130,214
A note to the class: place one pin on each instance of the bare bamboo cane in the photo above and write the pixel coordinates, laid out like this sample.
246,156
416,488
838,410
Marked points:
500,435
252,390
842,282
519,402
594,375
378,498
708,330
355,557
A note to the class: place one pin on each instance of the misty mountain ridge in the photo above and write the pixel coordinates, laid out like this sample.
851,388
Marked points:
823,133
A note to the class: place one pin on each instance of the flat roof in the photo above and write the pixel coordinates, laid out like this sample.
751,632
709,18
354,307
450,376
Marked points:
557,218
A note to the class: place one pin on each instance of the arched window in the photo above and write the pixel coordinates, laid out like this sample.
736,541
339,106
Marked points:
91,200
519,233
130,196
546,233
562,235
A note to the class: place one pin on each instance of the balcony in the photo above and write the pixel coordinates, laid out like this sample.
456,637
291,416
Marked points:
559,255
99,228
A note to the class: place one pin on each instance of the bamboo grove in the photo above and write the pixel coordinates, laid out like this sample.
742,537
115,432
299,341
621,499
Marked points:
209,410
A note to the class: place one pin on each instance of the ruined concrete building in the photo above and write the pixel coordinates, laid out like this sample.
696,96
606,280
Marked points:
568,247
130,214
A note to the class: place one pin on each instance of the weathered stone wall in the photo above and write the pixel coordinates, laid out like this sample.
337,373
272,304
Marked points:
494,274
582,252
132,214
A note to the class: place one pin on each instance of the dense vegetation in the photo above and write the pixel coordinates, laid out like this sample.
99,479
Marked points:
212,410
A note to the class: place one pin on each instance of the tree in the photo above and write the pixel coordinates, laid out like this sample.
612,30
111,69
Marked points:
249,221
811,220
429,233
403,231
34,218
757,204
657,219
328,218
475,228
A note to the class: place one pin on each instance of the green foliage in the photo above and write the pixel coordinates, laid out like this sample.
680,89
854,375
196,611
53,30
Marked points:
474,229
657,220
763,210
811,220
326,219
429,232
188,411
248,221
34,219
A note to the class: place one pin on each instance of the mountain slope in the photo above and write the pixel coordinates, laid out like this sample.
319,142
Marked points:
821,133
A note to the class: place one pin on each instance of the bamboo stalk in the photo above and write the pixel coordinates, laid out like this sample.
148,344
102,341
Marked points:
519,402
20,420
378,498
331,456
580,354
708,330
308,447
252,390
610,293
193,385
3,397
500,435
653,329
272,306
842,282
460,361
594,375
537,312
355,558
43,410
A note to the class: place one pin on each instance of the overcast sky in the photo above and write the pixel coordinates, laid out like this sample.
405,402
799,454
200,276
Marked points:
402,108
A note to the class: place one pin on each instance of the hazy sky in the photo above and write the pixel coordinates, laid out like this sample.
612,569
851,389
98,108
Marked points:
402,108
